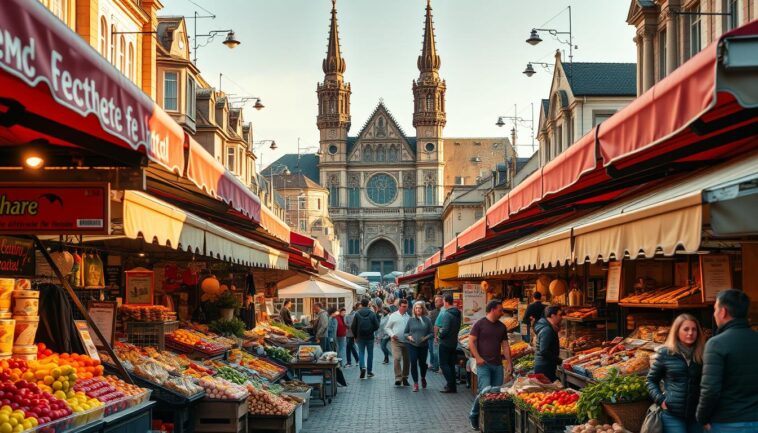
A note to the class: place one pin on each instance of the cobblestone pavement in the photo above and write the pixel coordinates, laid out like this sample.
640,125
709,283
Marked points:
378,405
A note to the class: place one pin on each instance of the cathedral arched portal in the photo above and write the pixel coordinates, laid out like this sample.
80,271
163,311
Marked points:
382,257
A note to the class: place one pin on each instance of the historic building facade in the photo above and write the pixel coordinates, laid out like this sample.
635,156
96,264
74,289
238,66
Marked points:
386,188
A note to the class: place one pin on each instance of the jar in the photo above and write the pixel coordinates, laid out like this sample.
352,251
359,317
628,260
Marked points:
6,290
26,303
7,329
25,330
27,353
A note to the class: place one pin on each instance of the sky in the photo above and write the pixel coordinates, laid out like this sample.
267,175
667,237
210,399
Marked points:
481,44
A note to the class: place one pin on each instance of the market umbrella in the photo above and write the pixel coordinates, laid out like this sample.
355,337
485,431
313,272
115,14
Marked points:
313,288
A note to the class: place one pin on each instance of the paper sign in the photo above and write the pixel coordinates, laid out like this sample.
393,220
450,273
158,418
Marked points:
104,316
140,284
86,337
716,275
614,282
474,302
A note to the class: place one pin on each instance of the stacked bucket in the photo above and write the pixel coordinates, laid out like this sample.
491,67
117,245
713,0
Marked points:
18,326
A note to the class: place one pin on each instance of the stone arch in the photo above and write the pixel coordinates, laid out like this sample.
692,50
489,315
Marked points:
382,256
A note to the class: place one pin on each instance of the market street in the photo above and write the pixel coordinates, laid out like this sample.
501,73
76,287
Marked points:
378,405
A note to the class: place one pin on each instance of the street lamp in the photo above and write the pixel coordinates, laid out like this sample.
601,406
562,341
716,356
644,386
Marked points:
529,70
243,99
230,40
534,37
515,119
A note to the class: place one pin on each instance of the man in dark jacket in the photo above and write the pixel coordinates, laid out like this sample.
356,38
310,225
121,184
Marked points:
534,312
729,386
547,350
448,341
365,323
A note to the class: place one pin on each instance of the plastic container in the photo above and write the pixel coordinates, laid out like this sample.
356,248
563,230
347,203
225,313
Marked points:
7,328
6,291
28,353
25,330
26,303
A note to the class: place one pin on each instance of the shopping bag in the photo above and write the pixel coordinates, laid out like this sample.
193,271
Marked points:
653,422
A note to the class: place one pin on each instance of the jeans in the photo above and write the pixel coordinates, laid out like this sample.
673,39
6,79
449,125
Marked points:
341,342
325,344
400,353
734,427
675,424
526,337
351,349
486,375
366,346
434,359
418,361
447,364
383,345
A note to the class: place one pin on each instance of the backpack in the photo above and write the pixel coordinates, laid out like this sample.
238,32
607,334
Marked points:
365,327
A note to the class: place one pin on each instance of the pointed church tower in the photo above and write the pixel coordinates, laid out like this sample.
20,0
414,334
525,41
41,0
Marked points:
333,119
429,114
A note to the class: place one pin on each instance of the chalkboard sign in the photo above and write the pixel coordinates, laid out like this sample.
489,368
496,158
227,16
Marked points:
113,277
16,257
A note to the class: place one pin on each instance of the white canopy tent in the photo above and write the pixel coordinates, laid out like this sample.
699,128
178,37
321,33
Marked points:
313,290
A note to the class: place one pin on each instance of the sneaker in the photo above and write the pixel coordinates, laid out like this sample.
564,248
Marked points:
348,365
405,382
363,373
370,374
397,383
474,424
386,361
415,387
423,382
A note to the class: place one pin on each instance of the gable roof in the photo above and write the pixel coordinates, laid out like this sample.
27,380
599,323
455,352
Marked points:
296,181
308,165
602,79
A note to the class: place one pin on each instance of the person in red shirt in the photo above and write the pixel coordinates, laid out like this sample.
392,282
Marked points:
341,336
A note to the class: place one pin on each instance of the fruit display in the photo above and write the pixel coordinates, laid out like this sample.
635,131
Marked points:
594,426
525,363
189,340
495,396
279,354
264,368
520,349
562,402
231,375
263,402
664,295
220,389
204,332
50,376
614,388
26,405
43,351
288,331
510,304
101,390
146,313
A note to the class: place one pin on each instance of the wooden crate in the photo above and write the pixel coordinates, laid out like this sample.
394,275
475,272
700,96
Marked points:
221,416
271,423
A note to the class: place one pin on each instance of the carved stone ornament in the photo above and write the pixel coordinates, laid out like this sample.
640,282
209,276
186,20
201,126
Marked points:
409,178
354,180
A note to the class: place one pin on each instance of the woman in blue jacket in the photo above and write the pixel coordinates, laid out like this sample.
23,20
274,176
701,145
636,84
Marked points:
674,377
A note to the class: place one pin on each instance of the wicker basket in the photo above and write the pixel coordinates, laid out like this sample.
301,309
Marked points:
629,414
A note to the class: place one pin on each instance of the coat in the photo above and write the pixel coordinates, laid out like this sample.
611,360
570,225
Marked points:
729,386
547,350
449,327
681,383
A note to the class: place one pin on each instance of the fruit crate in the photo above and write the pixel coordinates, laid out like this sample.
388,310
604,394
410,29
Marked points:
149,333
497,416
221,416
271,423
550,424
521,418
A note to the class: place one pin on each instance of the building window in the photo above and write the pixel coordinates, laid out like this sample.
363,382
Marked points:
559,140
353,246
122,55
334,196
113,44
459,180
731,21
103,37
130,72
191,98
296,306
429,103
382,189
231,154
302,226
478,214
431,234
170,101
409,246
318,203
569,131
599,116
548,154
430,198
354,197
58,8
409,196
661,54
695,31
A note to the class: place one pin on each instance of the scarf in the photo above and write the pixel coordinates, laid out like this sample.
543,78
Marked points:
686,352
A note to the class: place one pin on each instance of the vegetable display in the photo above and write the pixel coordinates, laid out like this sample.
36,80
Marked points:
613,389
290,331
262,402
594,426
550,403
235,327
218,388
525,363
279,354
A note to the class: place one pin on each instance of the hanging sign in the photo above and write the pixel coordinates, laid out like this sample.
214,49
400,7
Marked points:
474,301
54,208
614,282
140,286
16,257
104,316
86,337
715,275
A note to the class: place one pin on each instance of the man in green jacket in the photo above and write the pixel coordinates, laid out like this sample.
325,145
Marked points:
729,386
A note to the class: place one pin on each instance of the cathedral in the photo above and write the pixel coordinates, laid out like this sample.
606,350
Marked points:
386,188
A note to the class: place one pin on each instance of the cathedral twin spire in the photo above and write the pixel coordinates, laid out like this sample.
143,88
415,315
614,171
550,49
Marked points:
334,65
429,61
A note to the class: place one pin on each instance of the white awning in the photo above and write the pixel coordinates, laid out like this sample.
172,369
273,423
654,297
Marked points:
313,288
664,220
159,221
471,267
156,220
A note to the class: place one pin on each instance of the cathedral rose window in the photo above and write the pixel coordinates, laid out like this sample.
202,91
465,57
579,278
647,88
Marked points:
382,189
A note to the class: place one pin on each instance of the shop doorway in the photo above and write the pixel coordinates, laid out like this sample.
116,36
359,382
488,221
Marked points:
382,257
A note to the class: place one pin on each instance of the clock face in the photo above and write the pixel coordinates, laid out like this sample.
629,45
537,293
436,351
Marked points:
332,134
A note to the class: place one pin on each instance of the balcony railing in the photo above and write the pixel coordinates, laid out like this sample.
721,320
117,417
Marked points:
386,212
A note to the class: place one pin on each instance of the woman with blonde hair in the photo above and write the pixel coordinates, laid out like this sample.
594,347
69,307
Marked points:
678,365
418,332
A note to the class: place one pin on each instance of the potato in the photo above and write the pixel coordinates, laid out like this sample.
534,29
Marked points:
593,422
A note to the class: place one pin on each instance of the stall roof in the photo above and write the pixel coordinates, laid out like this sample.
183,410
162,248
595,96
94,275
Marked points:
414,278
312,288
